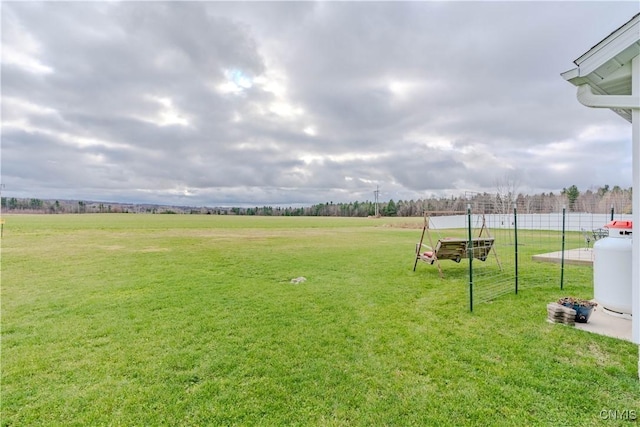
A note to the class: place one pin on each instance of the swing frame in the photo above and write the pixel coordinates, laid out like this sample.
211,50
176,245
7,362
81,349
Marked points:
454,248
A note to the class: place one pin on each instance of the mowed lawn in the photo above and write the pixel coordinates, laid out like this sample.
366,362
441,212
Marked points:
124,319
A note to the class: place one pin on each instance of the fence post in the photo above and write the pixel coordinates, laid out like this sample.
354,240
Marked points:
470,256
564,211
515,234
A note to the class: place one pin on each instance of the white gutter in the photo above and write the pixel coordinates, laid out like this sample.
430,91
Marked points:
590,99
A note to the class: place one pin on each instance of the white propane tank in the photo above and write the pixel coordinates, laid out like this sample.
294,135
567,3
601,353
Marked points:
612,269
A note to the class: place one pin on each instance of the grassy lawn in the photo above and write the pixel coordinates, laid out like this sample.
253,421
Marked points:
192,320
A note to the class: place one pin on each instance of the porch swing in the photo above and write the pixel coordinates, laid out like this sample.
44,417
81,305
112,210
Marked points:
453,248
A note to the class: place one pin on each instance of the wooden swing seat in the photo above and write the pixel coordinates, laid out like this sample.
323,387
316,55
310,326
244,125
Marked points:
455,249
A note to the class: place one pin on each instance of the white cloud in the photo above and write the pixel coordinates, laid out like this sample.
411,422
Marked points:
285,110
310,130
209,103
236,81
273,81
168,114
14,56
20,48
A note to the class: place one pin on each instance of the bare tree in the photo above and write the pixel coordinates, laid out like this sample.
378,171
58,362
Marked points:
507,191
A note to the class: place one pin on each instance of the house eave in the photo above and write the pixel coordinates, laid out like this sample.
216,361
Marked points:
606,68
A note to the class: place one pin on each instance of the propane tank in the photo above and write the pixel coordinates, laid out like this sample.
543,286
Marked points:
612,269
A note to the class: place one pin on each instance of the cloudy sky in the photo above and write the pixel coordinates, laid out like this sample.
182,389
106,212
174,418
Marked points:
294,103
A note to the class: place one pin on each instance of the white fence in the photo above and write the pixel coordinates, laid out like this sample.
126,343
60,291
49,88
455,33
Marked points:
574,221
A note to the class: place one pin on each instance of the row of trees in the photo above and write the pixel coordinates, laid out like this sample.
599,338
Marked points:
592,201
600,200
32,205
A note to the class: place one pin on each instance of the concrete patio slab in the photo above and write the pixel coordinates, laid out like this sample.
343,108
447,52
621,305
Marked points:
603,323
581,256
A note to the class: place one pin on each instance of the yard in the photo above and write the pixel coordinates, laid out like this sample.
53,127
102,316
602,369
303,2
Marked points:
125,319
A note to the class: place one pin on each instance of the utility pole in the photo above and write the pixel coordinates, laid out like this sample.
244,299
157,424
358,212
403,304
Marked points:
1,220
375,194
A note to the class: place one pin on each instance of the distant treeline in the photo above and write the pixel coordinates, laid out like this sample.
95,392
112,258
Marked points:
600,200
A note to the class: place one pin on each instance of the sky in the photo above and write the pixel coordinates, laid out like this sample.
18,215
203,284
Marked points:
297,103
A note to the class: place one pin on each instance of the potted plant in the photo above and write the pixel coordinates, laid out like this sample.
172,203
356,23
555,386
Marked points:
583,307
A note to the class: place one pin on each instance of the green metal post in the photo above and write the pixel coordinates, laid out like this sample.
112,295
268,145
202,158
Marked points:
564,212
470,256
515,234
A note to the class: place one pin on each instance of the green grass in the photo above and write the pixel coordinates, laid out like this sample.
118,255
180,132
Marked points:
191,320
